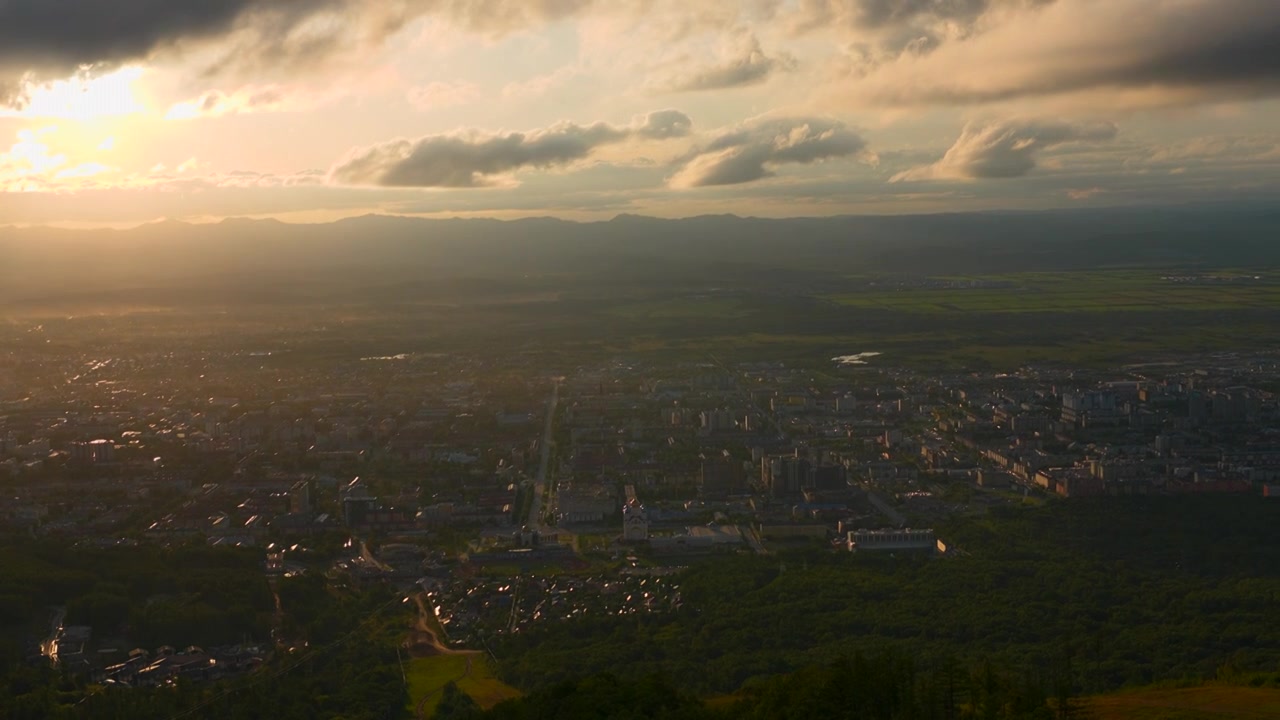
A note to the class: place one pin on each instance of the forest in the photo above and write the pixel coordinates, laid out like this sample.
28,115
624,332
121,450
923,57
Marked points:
337,655
1038,608
1115,592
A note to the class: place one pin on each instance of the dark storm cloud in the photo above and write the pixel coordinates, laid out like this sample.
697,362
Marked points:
43,40
72,33
467,160
752,151
1222,41
1201,49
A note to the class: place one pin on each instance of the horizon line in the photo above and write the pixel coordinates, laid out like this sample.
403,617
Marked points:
128,227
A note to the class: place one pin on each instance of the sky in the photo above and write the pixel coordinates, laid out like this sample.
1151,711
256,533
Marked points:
123,112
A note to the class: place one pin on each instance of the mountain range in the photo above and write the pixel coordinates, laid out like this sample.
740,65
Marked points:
267,256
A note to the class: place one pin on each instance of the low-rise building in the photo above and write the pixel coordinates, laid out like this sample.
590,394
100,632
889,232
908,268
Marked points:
892,540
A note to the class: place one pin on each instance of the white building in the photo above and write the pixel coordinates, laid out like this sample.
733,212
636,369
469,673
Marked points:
635,523
891,540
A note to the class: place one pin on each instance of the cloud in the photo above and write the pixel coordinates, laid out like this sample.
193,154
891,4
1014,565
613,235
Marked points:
251,179
30,166
884,29
41,40
664,125
473,159
882,13
79,97
542,84
44,40
874,14
1227,149
744,64
1085,193
83,170
442,94
1004,149
28,160
216,103
752,151
1149,52
497,17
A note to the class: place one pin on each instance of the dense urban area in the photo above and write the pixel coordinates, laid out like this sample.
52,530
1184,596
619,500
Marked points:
194,517
639,360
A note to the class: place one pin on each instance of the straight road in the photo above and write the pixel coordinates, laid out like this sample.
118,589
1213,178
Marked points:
894,516
540,484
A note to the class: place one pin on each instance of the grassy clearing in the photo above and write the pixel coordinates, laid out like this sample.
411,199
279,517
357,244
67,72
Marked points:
992,348
484,688
1211,702
427,677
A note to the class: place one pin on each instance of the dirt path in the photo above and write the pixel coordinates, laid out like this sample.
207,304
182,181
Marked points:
423,641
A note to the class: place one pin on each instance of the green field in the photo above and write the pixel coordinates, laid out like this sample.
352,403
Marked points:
1092,292
1103,317
427,676
683,309
1211,702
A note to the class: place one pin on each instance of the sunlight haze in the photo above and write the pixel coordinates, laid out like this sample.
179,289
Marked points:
315,111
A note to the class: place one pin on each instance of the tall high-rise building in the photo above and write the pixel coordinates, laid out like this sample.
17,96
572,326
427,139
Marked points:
300,497
786,476
827,477
93,452
720,477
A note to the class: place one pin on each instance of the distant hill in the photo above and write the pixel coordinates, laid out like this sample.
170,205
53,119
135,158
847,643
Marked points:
237,254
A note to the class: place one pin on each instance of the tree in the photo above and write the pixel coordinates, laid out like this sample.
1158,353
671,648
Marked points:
454,704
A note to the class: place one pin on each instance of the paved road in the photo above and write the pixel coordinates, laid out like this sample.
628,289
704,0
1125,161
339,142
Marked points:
540,484
894,516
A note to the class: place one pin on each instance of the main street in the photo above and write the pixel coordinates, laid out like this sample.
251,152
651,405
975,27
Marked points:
540,483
